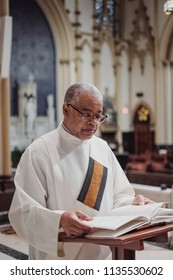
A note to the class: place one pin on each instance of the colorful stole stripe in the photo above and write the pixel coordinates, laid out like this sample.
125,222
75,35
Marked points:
93,188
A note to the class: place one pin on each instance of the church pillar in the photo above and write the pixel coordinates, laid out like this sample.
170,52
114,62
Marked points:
96,79
168,97
161,108
96,51
0,131
118,105
5,169
171,104
78,47
64,78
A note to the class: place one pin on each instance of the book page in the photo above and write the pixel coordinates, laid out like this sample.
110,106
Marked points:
147,211
101,233
162,215
126,218
114,222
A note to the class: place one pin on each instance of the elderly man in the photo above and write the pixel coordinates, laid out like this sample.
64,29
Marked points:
66,176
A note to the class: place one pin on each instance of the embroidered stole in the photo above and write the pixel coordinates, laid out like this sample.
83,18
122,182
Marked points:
94,184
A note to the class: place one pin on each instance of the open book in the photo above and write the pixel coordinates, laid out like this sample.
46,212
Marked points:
127,218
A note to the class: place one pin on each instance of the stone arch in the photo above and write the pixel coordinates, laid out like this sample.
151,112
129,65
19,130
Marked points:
63,38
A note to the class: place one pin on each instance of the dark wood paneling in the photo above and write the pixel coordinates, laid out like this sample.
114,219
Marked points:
147,178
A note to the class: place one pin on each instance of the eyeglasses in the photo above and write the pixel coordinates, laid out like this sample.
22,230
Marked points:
89,116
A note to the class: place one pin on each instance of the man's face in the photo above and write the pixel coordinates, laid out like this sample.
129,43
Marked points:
78,126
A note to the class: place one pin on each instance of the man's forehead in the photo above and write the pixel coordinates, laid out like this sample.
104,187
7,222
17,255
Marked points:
85,98
89,106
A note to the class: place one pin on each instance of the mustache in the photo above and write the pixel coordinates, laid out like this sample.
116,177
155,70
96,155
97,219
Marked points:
91,128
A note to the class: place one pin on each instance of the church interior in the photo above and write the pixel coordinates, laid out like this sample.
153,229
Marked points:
124,48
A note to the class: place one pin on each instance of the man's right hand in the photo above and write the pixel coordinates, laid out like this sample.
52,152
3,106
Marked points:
73,225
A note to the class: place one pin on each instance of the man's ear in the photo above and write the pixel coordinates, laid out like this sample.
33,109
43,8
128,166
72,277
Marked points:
65,109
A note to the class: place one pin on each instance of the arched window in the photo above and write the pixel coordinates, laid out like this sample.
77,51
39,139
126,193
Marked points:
142,115
105,16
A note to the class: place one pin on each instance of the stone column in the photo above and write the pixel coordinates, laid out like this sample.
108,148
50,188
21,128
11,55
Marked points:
169,104
5,170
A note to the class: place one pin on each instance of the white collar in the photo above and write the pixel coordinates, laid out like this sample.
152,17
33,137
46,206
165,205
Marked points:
65,133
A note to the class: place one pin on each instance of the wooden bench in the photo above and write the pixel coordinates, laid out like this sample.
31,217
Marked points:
6,193
150,178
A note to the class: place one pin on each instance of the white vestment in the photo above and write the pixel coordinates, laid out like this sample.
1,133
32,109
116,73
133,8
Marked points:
48,181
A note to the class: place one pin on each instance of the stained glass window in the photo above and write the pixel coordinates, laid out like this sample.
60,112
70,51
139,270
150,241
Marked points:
142,115
105,15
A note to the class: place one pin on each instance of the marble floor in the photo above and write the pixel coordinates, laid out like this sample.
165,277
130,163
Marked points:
13,247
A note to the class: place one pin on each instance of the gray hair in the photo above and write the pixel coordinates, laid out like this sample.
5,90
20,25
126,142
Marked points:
76,90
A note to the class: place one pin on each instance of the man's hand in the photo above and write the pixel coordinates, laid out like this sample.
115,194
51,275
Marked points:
73,225
141,200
